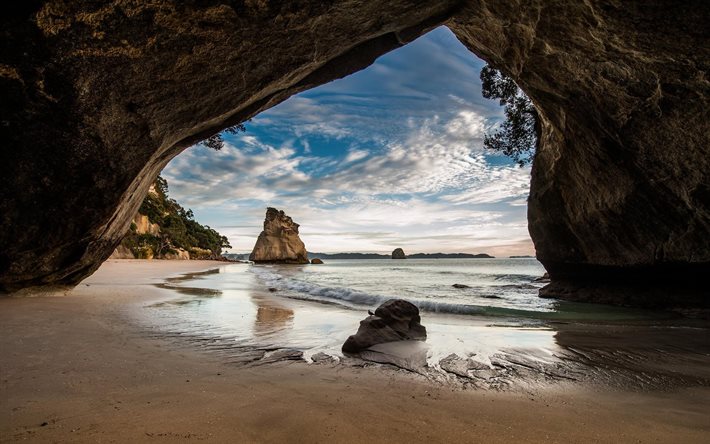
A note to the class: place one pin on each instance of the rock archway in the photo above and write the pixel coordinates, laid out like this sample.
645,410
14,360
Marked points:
99,96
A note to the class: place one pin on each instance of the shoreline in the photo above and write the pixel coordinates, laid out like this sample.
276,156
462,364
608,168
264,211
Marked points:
243,320
79,365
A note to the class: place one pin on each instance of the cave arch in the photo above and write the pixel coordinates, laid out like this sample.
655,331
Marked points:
101,96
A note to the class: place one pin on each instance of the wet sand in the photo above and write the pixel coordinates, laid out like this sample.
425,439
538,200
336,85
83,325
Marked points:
75,368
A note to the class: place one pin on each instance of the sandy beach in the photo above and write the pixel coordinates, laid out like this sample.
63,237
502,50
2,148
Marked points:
75,368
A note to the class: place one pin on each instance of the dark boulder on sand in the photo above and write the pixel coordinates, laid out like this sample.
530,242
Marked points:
394,320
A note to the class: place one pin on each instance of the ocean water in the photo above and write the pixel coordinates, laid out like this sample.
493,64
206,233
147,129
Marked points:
489,283
486,287
314,308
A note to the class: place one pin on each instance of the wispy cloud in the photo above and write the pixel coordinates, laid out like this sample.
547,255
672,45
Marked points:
391,156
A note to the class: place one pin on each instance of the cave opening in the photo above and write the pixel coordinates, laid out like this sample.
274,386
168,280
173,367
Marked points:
390,156
97,116
102,96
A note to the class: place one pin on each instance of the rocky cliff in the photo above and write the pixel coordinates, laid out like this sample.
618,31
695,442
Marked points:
99,96
620,194
163,229
279,242
143,225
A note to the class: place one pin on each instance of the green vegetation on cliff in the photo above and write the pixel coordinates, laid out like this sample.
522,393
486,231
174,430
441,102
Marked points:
176,229
517,136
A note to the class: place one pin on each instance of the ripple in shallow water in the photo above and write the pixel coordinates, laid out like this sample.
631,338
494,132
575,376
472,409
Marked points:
236,317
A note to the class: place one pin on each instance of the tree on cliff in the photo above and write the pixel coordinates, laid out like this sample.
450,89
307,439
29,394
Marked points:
517,136
216,142
178,228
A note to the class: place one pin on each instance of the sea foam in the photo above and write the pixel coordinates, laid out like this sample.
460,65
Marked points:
298,289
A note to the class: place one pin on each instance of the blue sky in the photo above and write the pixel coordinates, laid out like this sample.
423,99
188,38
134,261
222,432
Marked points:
391,156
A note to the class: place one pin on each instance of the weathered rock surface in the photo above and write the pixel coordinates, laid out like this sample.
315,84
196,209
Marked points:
408,355
394,320
178,254
144,226
544,278
398,253
122,252
316,261
279,242
461,367
99,96
323,358
620,190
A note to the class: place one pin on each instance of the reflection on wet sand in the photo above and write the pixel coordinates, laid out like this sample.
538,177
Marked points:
191,291
270,316
194,276
249,325
659,356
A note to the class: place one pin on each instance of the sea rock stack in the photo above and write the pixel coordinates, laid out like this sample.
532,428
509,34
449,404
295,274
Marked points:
394,320
279,242
398,253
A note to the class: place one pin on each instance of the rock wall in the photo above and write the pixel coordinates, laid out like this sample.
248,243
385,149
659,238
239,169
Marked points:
99,96
122,252
144,226
279,242
620,192
178,255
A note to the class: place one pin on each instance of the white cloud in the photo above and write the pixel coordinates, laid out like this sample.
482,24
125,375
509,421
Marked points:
390,156
421,191
355,155
467,125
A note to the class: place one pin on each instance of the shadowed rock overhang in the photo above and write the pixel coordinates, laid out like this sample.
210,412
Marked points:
99,96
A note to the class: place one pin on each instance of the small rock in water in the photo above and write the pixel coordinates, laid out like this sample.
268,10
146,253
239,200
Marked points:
316,261
460,286
394,320
272,289
323,358
545,278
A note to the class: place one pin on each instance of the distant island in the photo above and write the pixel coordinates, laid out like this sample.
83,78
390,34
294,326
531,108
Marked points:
522,257
450,256
379,256
349,256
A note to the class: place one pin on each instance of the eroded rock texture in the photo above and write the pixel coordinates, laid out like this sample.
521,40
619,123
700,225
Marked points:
99,96
279,242
620,193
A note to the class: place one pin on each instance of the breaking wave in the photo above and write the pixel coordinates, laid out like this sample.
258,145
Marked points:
297,289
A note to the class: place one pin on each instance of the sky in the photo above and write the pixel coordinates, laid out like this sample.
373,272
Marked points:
391,156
